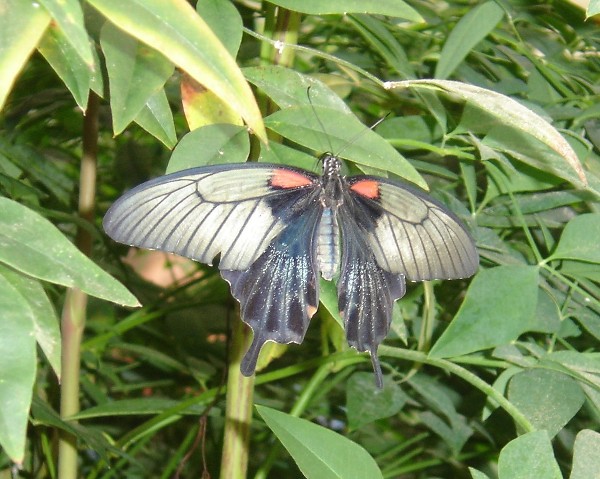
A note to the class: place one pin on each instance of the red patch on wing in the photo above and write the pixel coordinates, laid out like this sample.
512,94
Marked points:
367,188
286,179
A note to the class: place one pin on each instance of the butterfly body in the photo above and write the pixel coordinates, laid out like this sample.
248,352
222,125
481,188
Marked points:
276,228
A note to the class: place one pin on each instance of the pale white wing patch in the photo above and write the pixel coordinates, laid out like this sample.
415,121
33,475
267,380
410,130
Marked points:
418,237
199,216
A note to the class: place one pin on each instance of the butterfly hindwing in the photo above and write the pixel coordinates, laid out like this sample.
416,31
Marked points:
201,212
366,292
411,233
278,294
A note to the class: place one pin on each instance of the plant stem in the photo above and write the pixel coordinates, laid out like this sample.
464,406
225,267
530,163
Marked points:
238,410
74,309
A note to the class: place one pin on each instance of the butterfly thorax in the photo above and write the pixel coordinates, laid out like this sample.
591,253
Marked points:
331,197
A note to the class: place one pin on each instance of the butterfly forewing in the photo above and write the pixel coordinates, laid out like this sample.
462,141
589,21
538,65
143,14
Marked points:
200,213
411,233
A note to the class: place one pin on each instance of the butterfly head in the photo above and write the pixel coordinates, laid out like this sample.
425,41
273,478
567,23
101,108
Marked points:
331,164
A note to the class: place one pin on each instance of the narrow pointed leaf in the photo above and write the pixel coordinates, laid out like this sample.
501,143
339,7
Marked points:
17,369
31,244
22,24
510,112
176,30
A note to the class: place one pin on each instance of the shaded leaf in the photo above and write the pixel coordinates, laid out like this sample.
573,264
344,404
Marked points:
366,403
157,119
135,73
45,321
289,88
547,398
217,144
319,452
529,456
68,15
499,306
468,32
67,63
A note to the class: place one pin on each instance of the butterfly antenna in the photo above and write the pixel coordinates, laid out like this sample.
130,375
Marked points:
319,120
357,137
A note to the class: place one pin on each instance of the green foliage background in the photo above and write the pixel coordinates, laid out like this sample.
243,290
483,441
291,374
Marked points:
492,105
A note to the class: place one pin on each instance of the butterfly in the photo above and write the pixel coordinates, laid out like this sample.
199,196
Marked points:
277,227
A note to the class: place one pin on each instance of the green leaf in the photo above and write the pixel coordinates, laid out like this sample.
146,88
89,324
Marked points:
93,438
454,430
157,119
328,298
319,452
284,155
45,322
67,63
217,144
475,474
578,240
343,133
17,368
288,88
391,8
176,30
31,244
22,24
366,403
378,34
224,20
529,456
509,112
547,398
68,15
468,32
499,306
137,407
586,460
135,73
593,8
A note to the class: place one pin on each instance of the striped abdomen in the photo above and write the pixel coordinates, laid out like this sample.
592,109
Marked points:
328,247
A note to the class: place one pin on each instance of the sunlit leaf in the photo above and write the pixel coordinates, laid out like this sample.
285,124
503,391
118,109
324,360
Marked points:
578,240
509,112
31,244
22,24
176,30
